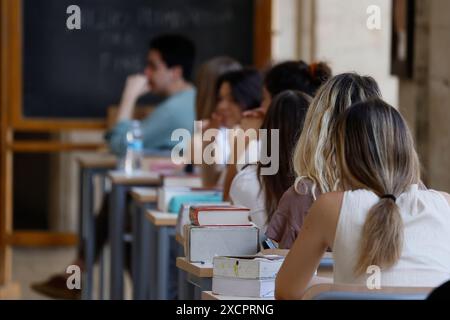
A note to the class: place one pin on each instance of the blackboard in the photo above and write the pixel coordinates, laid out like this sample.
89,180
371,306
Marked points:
80,73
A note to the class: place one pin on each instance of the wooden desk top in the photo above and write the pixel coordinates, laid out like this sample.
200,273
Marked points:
140,177
144,195
97,161
196,269
161,219
208,295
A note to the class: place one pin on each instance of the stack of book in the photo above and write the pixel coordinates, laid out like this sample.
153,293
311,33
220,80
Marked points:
183,215
246,276
182,180
170,199
219,230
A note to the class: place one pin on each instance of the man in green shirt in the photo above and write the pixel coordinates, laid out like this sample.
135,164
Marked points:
169,67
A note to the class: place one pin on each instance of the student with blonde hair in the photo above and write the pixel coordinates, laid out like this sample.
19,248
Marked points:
383,220
314,156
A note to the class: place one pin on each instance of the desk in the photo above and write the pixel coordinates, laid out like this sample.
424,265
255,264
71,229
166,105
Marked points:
325,270
143,199
90,166
197,274
121,184
162,229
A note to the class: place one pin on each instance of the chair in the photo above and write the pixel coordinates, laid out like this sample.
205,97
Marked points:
353,292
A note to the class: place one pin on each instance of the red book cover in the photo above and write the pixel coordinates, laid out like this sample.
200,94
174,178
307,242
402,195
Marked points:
219,215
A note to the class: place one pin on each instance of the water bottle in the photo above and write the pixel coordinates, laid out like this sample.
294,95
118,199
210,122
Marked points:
133,156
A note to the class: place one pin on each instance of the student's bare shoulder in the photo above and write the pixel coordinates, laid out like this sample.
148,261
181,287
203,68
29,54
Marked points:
330,199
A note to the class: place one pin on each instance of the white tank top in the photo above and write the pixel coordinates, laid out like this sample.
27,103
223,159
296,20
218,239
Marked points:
425,258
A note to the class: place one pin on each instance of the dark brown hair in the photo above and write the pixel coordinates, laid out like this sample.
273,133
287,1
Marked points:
296,75
287,114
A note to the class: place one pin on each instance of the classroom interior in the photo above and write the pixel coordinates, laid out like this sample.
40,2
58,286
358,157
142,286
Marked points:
56,166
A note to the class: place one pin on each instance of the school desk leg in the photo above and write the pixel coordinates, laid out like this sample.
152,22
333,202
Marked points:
205,284
200,285
152,269
185,289
163,263
88,231
163,251
135,249
144,254
116,234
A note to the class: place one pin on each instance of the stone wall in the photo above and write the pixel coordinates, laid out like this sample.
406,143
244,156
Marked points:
425,99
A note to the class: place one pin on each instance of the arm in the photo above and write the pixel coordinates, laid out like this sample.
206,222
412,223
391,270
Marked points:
153,128
287,220
230,174
298,269
136,86
209,172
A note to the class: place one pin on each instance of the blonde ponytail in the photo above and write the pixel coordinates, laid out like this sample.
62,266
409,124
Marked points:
375,151
382,239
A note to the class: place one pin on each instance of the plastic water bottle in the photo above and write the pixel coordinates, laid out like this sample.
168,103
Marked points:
133,156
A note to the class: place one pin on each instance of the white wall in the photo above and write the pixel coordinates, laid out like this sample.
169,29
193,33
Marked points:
343,40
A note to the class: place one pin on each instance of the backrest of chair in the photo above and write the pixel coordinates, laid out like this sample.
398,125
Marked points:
326,262
342,295
352,292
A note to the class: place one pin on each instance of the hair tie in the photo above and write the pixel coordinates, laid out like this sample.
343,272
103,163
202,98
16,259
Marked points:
389,196
313,69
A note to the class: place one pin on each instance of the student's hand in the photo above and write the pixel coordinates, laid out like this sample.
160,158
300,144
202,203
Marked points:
253,119
214,123
251,123
258,113
136,86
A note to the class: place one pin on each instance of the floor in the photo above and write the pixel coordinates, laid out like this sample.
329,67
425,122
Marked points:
35,265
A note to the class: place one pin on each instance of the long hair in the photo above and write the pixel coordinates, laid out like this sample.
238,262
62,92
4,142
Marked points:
287,114
375,151
206,79
314,155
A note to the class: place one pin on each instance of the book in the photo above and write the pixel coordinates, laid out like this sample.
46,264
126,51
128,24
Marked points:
247,267
254,288
184,180
183,214
176,202
202,244
219,216
166,194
